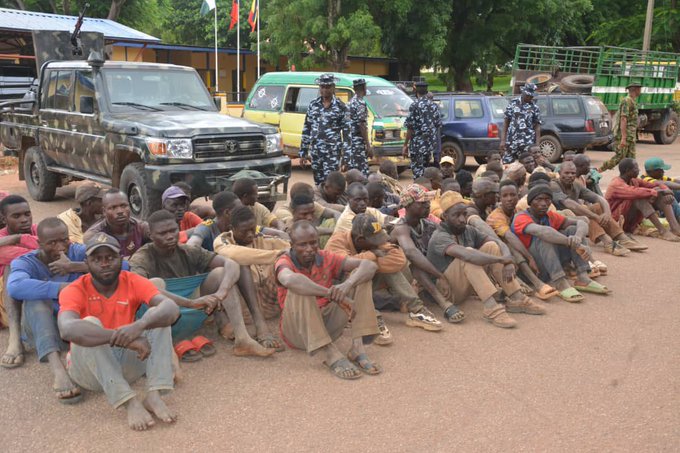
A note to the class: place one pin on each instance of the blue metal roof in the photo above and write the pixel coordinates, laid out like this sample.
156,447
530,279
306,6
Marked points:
26,21
227,50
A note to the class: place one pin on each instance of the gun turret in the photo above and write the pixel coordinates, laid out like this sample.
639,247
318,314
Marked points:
75,36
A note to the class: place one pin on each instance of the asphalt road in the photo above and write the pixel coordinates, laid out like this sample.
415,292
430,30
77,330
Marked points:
603,375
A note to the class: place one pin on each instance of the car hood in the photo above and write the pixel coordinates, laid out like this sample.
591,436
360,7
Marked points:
183,124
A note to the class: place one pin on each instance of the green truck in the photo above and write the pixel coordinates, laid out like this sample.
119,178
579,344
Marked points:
605,72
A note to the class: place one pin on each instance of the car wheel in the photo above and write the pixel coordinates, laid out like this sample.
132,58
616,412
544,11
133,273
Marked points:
481,160
453,149
41,183
142,198
669,130
550,148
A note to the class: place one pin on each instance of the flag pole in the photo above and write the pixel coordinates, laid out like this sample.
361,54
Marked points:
238,54
217,73
257,9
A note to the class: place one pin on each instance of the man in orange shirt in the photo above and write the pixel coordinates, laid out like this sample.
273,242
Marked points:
109,349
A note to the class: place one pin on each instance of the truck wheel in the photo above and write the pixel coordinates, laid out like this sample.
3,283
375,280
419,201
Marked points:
41,183
550,148
481,160
453,149
578,83
669,130
143,199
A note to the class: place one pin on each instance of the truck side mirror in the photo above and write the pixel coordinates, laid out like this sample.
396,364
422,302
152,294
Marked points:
86,104
218,102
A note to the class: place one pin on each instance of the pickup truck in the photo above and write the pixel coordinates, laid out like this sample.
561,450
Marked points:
137,126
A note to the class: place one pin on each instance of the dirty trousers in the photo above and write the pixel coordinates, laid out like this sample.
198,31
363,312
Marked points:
399,286
551,258
595,230
307,326
112,369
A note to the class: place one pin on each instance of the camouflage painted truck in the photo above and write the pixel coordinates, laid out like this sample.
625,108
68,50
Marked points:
137,126
605,72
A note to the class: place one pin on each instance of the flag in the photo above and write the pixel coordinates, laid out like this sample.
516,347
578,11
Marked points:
207,6
234,14
252,16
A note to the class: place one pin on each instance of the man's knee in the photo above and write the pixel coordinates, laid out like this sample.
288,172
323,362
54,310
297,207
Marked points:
491,248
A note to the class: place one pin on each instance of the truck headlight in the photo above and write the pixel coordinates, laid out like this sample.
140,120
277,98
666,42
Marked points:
274,143
180,148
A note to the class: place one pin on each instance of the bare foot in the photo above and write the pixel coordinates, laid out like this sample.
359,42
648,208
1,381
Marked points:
155,404
668,236
251,347
139,418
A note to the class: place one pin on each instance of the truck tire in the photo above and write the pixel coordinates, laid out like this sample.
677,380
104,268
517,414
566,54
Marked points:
551,148
41,183
540,80
481,160
453,149
577,84
669,130
134,182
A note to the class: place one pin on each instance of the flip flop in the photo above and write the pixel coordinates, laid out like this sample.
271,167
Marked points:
593,287
453,314
341,365
365,364
571,295
187,351
271,342
73,399
204,346
14,363
546,292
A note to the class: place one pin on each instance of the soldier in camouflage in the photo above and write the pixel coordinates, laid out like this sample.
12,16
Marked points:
522,125
423,126
625,128
360,145
324,131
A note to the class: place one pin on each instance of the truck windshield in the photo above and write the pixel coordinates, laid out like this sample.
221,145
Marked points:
151,89
388,101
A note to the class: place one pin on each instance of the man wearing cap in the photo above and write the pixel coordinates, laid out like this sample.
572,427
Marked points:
360,143
358,204
367,240
522,126
447,166
325,131
89,196
176,201
110,349
655,169
423,126
484,197
625,128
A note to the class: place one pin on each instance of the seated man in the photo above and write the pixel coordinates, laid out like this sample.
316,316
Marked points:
78,220
655,169
176,201
358,204
556,241
198,281
367,240
571,194
390,175
635,199
434,176
109,348
469,259
247,191
391,198
484,197
376,199
331,193
118,222
536,178
490,175
320,213
304,208
588,175
447,166
527,160
315,310
543,162
517,174
464,179
36,280
353,175
491,157
16,239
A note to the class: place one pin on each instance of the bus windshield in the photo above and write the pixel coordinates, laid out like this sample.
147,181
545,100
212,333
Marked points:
386,101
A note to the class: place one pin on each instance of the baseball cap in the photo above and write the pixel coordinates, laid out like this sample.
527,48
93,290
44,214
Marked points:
88,191
369,228
656,163
447,160
450,199
415,193
173,192
326,79
101,240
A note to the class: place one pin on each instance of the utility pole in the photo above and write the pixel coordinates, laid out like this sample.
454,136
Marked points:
648,26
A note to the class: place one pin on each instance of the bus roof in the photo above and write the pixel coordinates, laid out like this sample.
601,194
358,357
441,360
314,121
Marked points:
309,78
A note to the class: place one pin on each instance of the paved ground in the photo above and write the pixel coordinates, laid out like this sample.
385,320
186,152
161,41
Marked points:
600,376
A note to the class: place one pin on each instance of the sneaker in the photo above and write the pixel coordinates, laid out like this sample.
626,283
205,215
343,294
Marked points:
526,305
425,320
499,317
616,249
385,336
631,244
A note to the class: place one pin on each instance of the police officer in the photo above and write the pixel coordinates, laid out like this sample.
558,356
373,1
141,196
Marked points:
324,131
360,145
522,126
625,128
423,125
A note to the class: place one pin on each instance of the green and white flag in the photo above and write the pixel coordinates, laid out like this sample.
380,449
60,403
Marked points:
207,6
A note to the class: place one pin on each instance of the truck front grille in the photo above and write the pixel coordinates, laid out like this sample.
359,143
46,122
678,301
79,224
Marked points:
221,147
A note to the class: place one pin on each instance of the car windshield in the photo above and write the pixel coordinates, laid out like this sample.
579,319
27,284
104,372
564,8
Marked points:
498,106
388,101
153,89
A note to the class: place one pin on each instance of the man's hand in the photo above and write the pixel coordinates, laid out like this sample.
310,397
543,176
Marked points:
622,143
123,336
506,260
508,273
303,162
604,219
62,266
584,252
573,242
369,151
502,146
338,293
206,303
141,346
379,253
668,198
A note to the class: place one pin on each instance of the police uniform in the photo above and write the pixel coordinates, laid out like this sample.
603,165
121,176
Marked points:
627,108
323,133
358,119
523,118
424,121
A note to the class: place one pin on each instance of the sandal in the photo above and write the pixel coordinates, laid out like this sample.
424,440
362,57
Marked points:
453,314
187,351
593,287
341,365
546,292
204,346
75,395
600,266
14,363
571,295
366,365
269,341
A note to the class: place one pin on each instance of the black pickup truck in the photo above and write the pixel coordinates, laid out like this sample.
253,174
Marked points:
137,126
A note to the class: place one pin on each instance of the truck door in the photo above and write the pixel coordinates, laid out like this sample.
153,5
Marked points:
56,100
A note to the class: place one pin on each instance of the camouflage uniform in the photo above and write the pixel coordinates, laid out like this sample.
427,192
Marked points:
322,137
358,116
424,120
628,109
521,133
